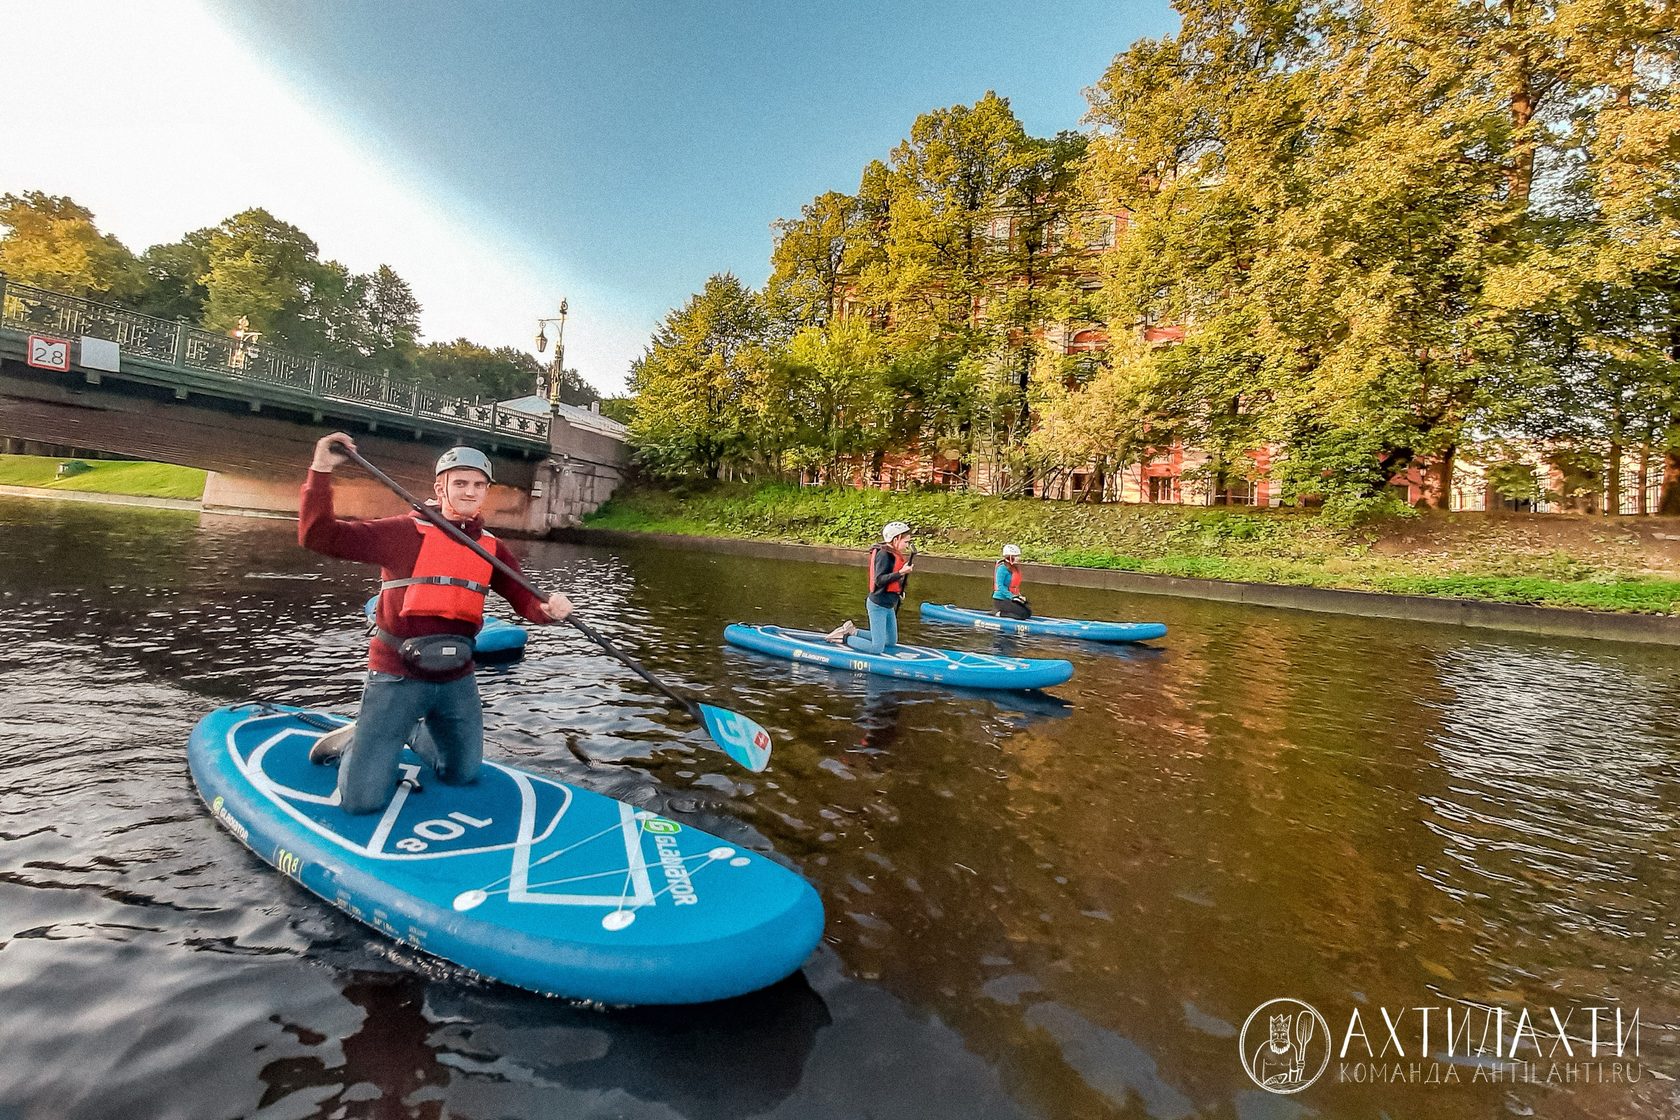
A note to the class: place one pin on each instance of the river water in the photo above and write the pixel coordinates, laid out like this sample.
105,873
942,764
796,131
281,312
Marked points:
1039,906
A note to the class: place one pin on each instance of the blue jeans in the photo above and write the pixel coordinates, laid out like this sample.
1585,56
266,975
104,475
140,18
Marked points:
882,634
451,741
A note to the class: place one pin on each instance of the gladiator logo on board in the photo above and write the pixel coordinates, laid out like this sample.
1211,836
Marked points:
671,861
1285,1045
227,818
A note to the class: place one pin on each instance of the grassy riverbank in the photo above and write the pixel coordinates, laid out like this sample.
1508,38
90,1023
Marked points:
1620,564
148,480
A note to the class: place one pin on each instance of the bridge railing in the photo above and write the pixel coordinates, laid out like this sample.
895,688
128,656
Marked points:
43,312
26,308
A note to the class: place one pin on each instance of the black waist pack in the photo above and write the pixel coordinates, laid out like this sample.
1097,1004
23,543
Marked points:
432,653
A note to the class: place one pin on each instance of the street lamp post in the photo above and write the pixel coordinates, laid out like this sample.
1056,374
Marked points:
559,366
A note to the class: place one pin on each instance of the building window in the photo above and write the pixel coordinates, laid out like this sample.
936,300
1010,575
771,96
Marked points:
1101,232
1237,492
1161,489
1086,341
997,230
1056,235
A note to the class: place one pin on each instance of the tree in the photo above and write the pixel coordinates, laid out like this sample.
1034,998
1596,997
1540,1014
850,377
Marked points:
695,384
829,387
622,409
174,278
269,274
952,180
1108,423
266,272
51,241
390,319
466,369
1198,141
807,265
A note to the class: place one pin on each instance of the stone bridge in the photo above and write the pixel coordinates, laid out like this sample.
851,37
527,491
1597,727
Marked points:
84,374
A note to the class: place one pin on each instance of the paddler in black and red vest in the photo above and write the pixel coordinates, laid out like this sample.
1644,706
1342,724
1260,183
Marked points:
1006,586
890,565
431,603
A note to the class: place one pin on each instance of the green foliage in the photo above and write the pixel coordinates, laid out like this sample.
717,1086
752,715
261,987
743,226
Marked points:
479,372
622,409
256,273
700,387
1386,229
175,275
1514,480
267,274
51,242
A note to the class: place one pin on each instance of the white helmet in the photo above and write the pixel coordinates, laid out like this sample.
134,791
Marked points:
1012,550
894,529
464,457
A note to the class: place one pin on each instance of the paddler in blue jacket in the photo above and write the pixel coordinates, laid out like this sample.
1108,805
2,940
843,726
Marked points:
1006,586
890,565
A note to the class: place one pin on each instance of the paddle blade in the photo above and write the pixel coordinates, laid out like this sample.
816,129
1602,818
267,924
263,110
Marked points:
741,739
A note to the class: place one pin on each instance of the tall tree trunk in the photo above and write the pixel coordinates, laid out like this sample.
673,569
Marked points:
1641,497
1613,464
1613,478
1669,504
1519,178
1519,173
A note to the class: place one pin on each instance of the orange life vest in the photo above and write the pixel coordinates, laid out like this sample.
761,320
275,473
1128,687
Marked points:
893,587
1014,579
449,580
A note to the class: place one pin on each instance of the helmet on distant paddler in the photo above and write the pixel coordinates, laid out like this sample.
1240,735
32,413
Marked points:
469,458
893,529
1012,550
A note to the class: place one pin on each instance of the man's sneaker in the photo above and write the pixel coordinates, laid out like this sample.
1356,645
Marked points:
840,633
329,746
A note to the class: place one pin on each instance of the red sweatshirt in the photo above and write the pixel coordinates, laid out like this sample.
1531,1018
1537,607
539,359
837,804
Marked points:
394,544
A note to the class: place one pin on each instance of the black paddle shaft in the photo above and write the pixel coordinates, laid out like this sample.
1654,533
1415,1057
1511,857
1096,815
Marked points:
436,518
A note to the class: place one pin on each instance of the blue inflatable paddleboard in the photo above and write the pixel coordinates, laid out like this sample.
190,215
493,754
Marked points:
517,877
1054,627
497,640
916,663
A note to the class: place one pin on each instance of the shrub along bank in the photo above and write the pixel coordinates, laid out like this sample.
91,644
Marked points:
1620,564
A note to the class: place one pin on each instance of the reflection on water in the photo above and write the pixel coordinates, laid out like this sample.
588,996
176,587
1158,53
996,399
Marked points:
1039,906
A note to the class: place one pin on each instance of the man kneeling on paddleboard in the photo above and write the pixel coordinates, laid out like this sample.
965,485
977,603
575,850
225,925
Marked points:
890,565
431,603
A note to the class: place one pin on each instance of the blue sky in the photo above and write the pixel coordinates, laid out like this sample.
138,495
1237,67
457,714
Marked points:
500,155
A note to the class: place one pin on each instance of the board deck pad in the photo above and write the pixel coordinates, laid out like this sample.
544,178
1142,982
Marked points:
907,662
1087,629
519,877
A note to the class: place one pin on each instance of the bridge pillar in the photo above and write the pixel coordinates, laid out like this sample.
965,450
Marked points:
586,463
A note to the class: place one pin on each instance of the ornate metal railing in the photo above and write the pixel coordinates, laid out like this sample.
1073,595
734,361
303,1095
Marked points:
37,311
42,312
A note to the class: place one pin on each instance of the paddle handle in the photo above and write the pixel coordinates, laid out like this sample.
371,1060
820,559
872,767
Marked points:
433,515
